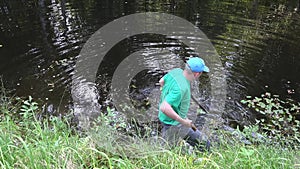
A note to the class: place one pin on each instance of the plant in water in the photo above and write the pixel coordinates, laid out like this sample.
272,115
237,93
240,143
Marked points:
28,108
114,119
277,118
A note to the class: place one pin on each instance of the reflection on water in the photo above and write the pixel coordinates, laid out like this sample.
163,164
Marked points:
258,42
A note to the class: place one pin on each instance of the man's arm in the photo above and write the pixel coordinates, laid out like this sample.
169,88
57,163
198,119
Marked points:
167,109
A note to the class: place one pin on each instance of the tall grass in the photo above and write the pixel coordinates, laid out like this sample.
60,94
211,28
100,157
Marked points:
26,142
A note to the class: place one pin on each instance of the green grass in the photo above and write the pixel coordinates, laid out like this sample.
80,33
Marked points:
26,142
253,157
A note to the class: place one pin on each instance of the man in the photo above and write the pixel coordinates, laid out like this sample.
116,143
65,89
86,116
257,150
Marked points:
175,101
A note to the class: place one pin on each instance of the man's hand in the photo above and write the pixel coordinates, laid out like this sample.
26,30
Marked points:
186,122
161,82
168,110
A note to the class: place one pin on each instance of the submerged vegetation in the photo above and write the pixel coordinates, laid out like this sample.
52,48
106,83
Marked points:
30,140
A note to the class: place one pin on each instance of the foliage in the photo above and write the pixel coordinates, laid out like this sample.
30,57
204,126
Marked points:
26,142
112,118
28,110
278,118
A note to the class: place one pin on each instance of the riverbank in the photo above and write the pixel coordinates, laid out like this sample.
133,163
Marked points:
30,140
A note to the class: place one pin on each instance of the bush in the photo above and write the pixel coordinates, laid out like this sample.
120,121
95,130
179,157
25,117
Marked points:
277,118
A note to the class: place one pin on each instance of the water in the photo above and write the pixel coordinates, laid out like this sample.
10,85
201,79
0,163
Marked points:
258,43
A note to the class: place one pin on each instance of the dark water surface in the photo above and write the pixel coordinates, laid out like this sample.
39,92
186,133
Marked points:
258,42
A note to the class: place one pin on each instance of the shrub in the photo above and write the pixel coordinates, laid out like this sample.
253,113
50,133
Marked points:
277,118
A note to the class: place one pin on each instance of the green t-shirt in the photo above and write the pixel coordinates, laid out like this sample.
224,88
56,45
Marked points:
177,92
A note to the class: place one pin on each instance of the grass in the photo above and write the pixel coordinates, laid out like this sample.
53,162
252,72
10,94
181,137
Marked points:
26,142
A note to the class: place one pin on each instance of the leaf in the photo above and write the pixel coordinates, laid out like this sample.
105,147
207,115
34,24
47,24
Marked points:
262,105
24,110
34,108
281,112
262,112
257,99
24,107
274,122
27,102
243,101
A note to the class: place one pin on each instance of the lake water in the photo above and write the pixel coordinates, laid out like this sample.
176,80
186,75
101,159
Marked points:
258,43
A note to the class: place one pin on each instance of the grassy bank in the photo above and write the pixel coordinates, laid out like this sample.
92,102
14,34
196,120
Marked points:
31,141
